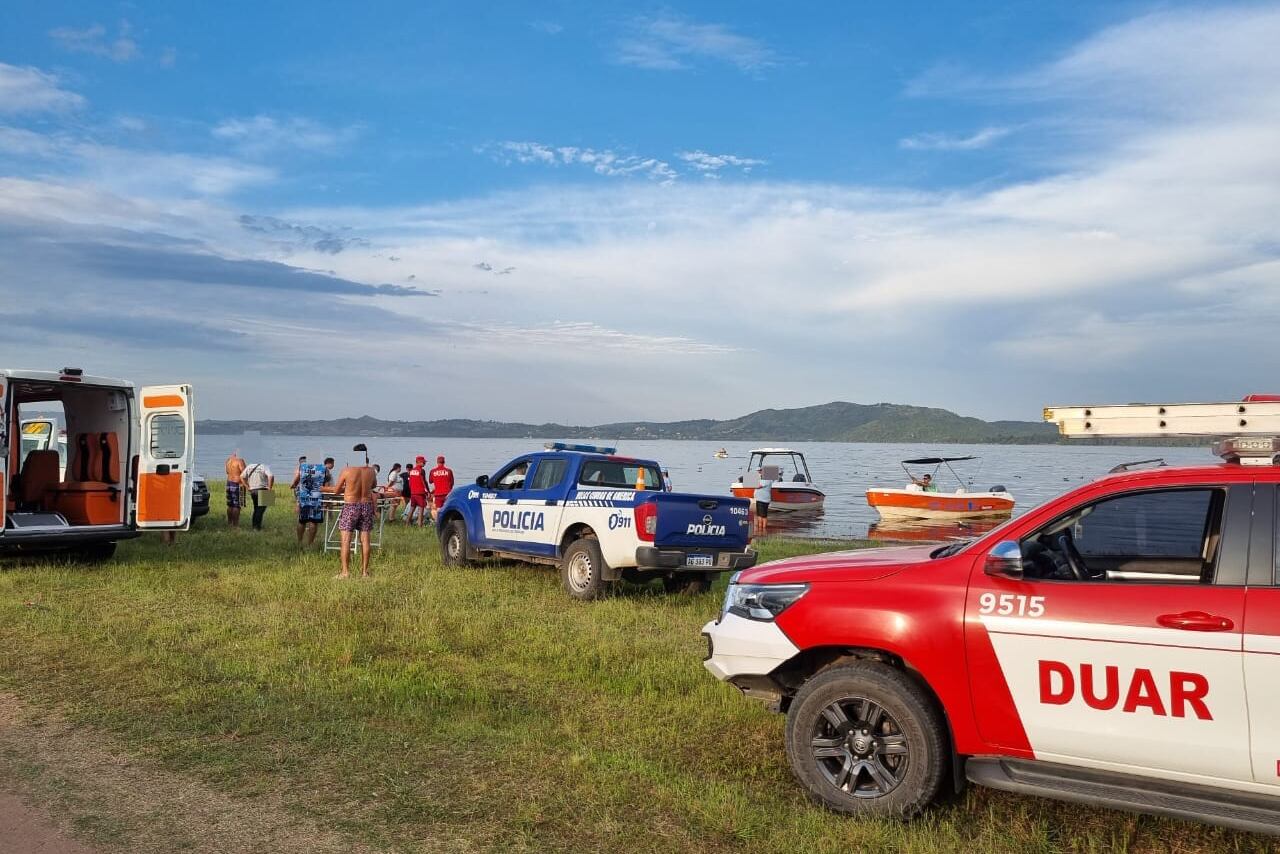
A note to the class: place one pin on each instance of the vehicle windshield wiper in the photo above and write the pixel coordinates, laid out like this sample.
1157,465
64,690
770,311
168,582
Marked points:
949,550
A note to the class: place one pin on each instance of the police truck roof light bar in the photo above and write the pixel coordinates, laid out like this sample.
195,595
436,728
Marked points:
586,449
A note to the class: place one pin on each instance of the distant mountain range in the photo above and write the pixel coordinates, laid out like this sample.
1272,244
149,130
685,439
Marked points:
830,422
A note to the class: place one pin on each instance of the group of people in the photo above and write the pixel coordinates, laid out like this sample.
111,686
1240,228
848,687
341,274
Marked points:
422,493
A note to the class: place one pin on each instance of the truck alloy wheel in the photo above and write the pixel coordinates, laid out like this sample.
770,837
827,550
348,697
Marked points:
453,545
864,738
582,570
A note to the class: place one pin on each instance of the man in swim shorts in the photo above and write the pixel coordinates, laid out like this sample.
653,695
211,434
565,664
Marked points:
235,493
360,509
307,483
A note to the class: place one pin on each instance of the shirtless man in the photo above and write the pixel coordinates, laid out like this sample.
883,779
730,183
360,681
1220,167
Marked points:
235,492
360,509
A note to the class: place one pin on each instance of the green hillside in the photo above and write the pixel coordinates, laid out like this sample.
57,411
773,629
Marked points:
829,422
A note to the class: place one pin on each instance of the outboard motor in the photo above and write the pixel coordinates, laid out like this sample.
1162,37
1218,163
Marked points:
998,488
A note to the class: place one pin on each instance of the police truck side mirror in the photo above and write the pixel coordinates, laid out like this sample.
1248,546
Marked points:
1004,560
482,480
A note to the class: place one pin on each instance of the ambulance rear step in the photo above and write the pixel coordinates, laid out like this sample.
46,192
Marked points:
1237,810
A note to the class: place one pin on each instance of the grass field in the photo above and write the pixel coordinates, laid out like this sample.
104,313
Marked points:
452,709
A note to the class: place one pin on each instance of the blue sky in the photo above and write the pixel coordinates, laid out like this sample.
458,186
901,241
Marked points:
589,212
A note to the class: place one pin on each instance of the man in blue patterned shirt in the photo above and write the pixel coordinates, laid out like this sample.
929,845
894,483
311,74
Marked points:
306,485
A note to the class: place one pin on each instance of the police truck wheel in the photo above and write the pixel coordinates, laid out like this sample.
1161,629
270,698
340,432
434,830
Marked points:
686,585
582,570
453,543
866,740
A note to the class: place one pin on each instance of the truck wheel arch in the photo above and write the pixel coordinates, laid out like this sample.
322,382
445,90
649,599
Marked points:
574,532
810,662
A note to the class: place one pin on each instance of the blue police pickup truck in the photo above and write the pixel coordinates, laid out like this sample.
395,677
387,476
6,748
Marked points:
599,517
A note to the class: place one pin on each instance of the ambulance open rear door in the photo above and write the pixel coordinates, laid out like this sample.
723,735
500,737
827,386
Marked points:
4,452
166,457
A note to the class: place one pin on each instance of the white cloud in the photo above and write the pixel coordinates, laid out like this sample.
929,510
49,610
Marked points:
711,164
95,41
24,89
953,142
600,161
670,43
263,134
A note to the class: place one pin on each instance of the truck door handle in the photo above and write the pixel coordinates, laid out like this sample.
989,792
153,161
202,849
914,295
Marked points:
511,500
708,504
551,502
1195,621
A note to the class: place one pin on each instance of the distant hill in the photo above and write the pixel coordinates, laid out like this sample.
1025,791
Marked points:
830,422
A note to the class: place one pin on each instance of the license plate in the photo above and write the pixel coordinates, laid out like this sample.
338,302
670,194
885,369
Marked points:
699,560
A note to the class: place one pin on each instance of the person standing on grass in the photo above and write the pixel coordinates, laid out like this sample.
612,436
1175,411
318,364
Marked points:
418,492
406,491
441,479
359,509
307,484
258,480
235,491
763,498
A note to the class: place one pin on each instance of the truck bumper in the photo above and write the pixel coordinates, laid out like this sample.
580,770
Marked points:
738,647
649,558
19,542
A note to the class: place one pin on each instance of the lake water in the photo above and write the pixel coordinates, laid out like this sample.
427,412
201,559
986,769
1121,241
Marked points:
1032,473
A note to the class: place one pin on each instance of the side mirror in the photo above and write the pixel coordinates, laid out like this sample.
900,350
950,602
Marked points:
482,480
1004,560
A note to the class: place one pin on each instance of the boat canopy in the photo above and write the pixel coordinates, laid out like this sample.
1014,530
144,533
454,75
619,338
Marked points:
935,461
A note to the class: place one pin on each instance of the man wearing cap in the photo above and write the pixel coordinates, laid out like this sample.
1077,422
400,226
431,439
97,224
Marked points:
441,479
418,491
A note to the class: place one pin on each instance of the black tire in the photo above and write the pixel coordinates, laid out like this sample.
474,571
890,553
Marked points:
92,553
582,571
455,547
688,584
884,741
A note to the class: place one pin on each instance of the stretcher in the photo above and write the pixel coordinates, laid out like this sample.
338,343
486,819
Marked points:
332,506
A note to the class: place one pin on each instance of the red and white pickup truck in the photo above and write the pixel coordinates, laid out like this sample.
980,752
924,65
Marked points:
1119,645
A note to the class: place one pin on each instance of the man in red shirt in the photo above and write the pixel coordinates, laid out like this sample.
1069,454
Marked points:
441,478
418,492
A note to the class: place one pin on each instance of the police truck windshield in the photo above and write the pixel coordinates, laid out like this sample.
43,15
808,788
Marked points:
618,474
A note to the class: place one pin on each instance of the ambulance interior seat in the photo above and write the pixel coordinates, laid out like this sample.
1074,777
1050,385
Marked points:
91,493
39,475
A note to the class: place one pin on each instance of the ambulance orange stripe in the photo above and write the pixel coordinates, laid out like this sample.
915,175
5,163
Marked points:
158,400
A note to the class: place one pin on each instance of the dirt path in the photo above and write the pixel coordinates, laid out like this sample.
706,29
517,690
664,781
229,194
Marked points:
24,828
65,790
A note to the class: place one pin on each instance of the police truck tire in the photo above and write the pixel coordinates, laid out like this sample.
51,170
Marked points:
454,545
687,584
867,740
582,570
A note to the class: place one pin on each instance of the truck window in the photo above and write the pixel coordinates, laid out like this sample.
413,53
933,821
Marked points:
618,474
550,473
512,477
1153,536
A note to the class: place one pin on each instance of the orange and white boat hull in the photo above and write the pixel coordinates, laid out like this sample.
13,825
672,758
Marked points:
916,504
787,496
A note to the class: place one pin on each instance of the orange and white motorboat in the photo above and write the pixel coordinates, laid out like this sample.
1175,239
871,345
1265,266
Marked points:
921,498
793,486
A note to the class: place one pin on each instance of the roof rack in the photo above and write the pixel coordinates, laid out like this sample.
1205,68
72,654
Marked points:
1249,430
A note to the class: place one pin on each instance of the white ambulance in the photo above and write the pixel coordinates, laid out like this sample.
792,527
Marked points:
128,464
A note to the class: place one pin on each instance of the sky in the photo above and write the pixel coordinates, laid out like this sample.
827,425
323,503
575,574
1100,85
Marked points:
598,211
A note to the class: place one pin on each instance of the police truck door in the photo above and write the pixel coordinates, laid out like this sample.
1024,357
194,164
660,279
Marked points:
166,457
1121,643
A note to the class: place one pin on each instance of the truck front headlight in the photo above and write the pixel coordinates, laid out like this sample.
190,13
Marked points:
762,601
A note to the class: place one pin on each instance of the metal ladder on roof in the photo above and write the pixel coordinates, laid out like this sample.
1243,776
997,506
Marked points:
1249,430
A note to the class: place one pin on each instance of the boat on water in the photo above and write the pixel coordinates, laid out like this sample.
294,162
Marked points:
922,499
793,486
722,454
